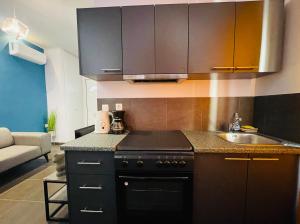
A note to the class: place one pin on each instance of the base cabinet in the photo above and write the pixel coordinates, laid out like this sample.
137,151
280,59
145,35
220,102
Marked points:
91,187
243,188
271,189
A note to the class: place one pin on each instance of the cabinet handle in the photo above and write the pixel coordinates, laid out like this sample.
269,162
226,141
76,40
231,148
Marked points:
84,187
265,159
237,159
246,68
222,68
111,70
91,211
89,163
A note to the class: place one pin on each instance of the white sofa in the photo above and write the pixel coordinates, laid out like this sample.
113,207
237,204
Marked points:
19,147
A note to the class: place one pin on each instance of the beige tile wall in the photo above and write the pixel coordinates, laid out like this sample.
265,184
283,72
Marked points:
203,113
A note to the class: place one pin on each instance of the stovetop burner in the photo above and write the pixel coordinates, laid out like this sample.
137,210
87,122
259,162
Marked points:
155,141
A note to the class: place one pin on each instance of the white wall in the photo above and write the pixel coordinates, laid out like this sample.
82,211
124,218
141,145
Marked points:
64,92
189,88
89,101
288,80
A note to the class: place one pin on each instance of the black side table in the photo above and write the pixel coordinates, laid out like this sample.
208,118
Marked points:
59,197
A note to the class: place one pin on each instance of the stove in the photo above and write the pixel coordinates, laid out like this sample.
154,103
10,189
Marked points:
152,150
155,141
154,173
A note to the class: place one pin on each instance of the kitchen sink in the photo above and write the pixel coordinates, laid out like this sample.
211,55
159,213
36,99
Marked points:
248,139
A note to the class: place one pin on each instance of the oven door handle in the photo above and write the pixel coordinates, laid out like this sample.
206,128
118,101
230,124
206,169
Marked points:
152,178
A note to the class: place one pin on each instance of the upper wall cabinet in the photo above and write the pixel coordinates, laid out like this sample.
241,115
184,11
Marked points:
196,39
259,36
138,40
100,42
171,38
248,33
211,37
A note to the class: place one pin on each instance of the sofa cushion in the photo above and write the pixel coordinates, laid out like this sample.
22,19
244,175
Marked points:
6,138
17,154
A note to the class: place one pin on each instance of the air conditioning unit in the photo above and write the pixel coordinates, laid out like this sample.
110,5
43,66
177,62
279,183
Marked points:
27,53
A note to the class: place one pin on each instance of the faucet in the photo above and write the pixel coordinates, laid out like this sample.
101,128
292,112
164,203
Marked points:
235,124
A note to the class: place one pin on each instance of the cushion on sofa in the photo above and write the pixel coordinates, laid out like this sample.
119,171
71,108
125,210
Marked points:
17,154
6,138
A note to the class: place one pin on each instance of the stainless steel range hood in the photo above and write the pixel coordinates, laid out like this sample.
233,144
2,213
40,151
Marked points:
155,78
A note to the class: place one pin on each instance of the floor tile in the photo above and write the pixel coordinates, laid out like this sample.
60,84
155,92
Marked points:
31,190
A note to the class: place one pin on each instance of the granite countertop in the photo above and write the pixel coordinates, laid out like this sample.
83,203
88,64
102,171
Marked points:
209,142
203,142
94,142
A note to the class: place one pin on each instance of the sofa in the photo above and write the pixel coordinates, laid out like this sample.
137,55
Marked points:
19,147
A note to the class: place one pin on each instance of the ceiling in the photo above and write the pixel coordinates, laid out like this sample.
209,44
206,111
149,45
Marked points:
52,23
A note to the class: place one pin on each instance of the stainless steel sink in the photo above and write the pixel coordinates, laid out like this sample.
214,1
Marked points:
248,139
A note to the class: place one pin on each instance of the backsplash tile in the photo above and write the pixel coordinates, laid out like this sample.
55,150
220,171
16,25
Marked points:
278,116
199,113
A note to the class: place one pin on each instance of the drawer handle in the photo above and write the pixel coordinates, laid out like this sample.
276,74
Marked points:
237,159
84,187
89,163
111,70
265,159
91,211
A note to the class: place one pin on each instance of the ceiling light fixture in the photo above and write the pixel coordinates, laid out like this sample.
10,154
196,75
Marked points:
14,27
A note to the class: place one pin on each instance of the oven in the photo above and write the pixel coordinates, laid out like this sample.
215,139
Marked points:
157,192
154,199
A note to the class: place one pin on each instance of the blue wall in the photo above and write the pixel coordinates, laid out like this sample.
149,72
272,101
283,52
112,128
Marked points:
23,100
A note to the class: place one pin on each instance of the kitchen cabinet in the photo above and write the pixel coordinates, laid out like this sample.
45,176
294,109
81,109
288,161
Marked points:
243,188
91,187
220,188
171,38
211,37
271,189
248,36
138,40
100,42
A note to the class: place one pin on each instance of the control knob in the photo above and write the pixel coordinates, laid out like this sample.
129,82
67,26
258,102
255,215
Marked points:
182,163
124,163
174,163
159,163
139,163
167,163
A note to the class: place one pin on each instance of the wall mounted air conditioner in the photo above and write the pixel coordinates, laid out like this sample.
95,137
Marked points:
27,53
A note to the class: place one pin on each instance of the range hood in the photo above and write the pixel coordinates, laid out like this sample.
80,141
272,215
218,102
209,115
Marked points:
155,78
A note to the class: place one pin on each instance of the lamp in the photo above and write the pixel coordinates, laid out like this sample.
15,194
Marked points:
13,26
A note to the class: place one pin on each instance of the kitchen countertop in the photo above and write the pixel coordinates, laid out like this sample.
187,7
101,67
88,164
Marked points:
94,142
203,142
209,142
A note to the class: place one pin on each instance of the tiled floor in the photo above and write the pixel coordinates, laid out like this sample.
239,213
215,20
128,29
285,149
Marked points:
21,192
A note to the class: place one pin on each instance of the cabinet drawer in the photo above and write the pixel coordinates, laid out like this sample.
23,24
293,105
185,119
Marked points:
92,214
90,162
88,190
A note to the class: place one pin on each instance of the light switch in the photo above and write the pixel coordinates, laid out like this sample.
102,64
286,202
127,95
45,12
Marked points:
119,106
105,107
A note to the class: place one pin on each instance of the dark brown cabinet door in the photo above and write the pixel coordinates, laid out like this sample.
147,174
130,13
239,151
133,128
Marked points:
138,39
220,188
248,36
211,37
100,44
271,191
171,38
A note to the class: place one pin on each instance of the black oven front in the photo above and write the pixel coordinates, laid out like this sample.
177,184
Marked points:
157,195
154,199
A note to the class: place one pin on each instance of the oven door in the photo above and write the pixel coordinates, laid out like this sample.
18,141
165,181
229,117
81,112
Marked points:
154,199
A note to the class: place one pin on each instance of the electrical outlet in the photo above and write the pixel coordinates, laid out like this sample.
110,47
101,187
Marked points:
105,107
119,106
